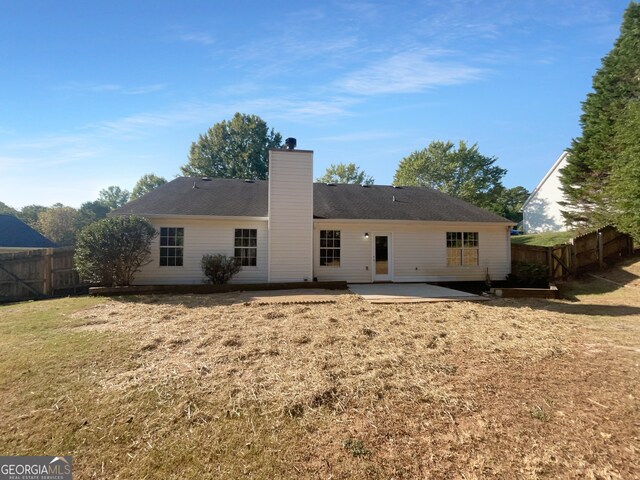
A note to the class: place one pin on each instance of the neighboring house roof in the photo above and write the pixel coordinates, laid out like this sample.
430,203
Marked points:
14,233
230,198
551,171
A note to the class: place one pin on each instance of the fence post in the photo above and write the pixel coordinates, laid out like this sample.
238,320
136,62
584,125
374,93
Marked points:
47,270
600,249
550,262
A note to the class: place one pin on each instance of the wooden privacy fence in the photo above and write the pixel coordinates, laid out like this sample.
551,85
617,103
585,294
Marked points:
38,273
582,254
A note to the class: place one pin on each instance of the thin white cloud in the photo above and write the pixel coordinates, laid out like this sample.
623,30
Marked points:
46,142
8,164
409,72
81,87
107,87
138,124
135,126
360,136
294,51
199,38
93,141
361,10
156,87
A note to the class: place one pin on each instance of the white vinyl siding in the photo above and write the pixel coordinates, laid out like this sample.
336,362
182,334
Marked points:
290,215
203,236
542,210
419,251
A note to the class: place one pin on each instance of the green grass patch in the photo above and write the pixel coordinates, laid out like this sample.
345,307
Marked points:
548,239
48,369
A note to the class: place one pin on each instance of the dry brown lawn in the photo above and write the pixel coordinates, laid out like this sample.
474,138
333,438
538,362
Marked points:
196,387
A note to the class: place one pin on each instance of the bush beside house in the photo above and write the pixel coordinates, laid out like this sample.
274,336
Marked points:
112,250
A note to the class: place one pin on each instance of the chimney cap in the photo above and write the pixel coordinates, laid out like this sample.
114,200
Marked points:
290,143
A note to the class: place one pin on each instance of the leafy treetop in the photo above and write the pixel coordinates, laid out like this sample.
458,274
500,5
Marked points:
463,172
147,183
345,173
113,197
238,148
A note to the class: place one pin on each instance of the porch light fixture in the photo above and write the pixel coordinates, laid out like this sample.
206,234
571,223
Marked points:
366,235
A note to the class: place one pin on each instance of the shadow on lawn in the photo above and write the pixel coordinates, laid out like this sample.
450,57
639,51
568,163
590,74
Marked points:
572,308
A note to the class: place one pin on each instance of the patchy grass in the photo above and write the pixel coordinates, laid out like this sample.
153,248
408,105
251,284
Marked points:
619,284
548,239
195,387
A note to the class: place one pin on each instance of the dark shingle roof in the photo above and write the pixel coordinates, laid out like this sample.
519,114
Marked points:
376,202
218,196
14,233
228,197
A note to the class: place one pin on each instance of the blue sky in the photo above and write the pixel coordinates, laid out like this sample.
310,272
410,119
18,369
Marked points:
99,93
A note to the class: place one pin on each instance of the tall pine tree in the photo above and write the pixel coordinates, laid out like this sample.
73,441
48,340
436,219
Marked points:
591,180
624,187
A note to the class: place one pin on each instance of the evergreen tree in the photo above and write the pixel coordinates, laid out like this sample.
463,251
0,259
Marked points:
591,179
624,187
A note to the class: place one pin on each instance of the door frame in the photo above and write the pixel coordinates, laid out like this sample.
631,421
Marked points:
389,276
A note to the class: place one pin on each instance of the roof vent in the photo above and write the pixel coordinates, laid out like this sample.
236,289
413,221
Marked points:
248,180
397,186
331,184
364,185
290,143
206,179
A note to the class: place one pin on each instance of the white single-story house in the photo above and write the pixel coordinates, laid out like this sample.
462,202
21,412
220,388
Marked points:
288,229
541,212
17,236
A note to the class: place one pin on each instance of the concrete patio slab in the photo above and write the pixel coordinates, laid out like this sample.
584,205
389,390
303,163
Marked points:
410,293
302,295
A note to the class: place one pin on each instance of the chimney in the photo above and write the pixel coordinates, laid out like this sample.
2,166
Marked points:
290,214
290,143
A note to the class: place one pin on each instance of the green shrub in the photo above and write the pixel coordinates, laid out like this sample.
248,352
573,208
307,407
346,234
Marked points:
525,274
112,250
219,268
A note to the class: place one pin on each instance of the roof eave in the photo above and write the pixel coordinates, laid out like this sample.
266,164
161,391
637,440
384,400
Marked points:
504,222
193,217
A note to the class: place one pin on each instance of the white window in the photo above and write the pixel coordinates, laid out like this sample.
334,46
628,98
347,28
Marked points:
171,246
462,248
329,248
246,246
